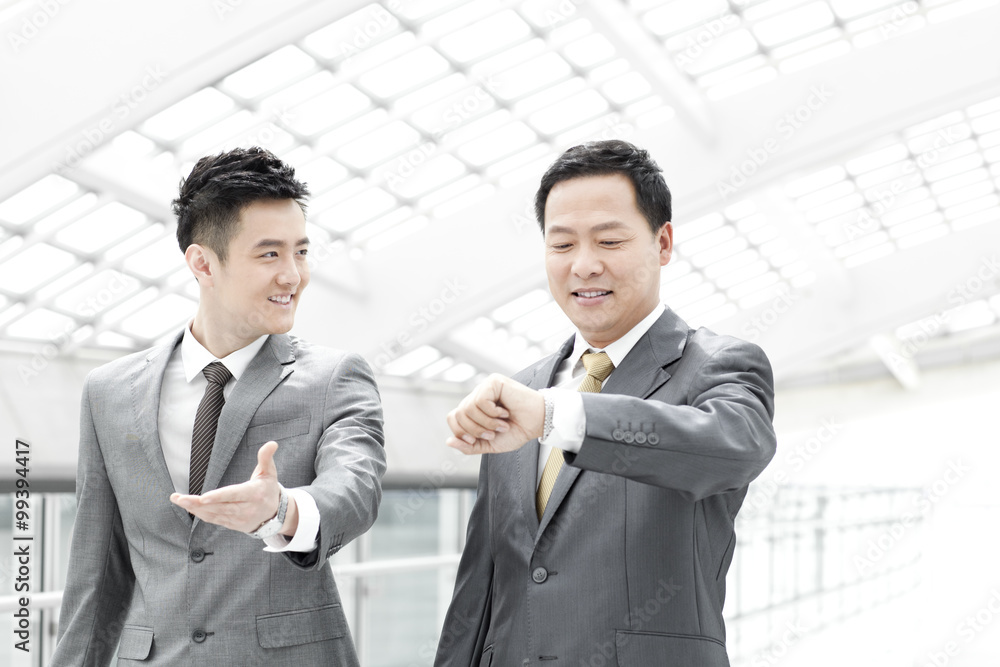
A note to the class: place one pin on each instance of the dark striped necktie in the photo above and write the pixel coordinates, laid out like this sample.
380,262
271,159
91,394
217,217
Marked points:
206,422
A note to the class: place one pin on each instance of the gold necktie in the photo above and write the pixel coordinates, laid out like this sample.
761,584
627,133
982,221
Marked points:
599,367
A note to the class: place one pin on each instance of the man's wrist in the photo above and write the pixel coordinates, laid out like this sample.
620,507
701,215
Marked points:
273,526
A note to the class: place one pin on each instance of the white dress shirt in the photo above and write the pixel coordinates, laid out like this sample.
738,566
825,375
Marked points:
569,421
182,390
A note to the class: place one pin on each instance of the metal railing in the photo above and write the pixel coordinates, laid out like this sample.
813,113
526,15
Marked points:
803,557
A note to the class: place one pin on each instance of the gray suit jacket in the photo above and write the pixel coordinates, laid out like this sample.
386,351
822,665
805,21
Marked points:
628,564
181,592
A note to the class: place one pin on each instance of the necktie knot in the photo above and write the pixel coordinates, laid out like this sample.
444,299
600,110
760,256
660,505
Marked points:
599,367
217,373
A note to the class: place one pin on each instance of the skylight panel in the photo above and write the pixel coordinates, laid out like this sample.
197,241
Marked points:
676,16
138,240
270,72
736,276
794,23
490,147
322,173
626,88
530,76
34,266
237,126
189,115
541,316
327,110
589,51
354,33
698,226
114,340
956,9
984,216
412,361
692,246
565,114
813,182
60,217
434,173
379,145
722,51
953,167
96,293
816,55
720,252
683,299
550,95
414,69
467,197
849,9
460,372
359,209
477,127
521,306
40,324
675,286
102,227
986,123
156,259
968,193
280,103
493,33
167,313
31,202
59,286
733,80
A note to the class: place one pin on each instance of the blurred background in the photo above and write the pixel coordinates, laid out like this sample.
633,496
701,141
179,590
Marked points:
835,166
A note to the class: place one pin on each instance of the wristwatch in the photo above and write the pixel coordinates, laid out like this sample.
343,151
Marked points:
272,526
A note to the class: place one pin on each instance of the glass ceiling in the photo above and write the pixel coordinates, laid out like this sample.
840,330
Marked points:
399,117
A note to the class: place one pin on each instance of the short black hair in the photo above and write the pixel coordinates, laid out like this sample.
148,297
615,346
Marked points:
612,156
220,186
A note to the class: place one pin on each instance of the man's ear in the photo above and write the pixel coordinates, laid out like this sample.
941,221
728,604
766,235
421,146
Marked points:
665,239
202,262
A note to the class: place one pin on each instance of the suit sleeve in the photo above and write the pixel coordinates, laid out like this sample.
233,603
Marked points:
463,635
720,440
350,461
100,580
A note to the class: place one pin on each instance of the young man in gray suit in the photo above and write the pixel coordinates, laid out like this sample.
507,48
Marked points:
613,469
219,472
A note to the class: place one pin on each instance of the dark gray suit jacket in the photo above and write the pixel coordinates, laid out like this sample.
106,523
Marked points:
628,564
183,592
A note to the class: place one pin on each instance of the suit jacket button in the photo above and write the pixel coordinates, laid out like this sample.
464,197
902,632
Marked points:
653,439
629,437
640,438
539,575
199,636
198,555
617,434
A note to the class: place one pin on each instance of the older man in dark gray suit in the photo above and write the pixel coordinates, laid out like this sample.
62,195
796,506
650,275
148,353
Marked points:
612,470
219,472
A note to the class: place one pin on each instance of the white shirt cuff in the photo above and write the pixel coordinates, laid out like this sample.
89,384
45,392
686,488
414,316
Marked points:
305,534
569,422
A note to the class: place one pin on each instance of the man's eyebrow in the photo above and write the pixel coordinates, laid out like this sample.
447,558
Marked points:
277,243
604,226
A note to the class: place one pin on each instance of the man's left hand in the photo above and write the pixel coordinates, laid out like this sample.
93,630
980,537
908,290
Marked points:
244,507
500,415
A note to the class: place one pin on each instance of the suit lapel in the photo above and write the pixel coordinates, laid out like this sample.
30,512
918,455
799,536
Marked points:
273,363
527,456
146,382
642,371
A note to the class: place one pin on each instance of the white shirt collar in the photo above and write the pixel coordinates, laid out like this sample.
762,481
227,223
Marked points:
619,349
195,357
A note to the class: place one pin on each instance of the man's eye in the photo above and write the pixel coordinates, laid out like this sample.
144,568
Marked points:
610,243
304,251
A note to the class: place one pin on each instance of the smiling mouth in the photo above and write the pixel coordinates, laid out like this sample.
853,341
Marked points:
283,300
591,294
